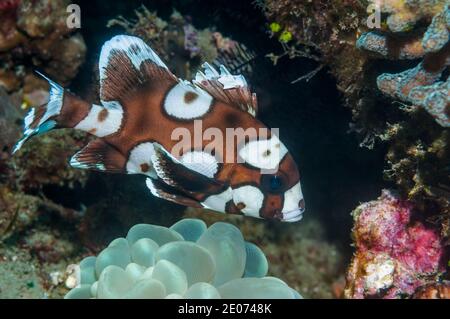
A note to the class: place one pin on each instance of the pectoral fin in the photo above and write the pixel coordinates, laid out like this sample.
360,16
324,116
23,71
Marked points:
101,156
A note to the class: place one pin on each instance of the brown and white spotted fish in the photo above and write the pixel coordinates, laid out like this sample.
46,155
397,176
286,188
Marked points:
144,111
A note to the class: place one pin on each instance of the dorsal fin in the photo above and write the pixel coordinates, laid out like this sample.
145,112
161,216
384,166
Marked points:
126,63
228,88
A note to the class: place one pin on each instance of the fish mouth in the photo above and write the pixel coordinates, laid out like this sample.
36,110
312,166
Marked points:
293,216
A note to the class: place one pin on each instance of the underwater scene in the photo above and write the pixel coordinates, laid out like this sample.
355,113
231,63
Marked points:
194,149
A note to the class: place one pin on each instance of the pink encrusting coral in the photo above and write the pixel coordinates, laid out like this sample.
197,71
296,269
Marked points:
395,255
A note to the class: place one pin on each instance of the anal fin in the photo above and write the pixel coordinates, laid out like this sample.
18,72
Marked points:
101,156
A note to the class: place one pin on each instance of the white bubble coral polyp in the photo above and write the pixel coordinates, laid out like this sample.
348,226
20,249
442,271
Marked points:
187,260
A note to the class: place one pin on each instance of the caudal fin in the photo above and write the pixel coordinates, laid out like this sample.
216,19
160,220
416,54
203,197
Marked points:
41,119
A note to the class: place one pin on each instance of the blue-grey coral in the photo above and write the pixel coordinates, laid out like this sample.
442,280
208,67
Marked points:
187,260
421,86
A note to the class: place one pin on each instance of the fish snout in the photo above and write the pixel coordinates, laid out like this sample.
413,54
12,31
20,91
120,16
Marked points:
294,205
292,216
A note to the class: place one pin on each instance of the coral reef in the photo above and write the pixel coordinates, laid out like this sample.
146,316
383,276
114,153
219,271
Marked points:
419,150
18,211
37,183
336,34
395,254
183,46
187,260
49,246
9,115
34,35
44,162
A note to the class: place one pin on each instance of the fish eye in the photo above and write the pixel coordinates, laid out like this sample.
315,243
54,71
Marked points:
273,183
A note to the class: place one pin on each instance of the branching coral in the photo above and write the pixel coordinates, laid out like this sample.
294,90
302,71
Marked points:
187,260
395,255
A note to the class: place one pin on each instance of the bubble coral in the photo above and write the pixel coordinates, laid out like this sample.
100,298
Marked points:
395,255
187,260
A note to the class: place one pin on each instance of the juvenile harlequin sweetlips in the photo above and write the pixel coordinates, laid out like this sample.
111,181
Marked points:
144,111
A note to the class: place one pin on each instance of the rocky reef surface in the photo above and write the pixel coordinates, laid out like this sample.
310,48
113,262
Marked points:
34,35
